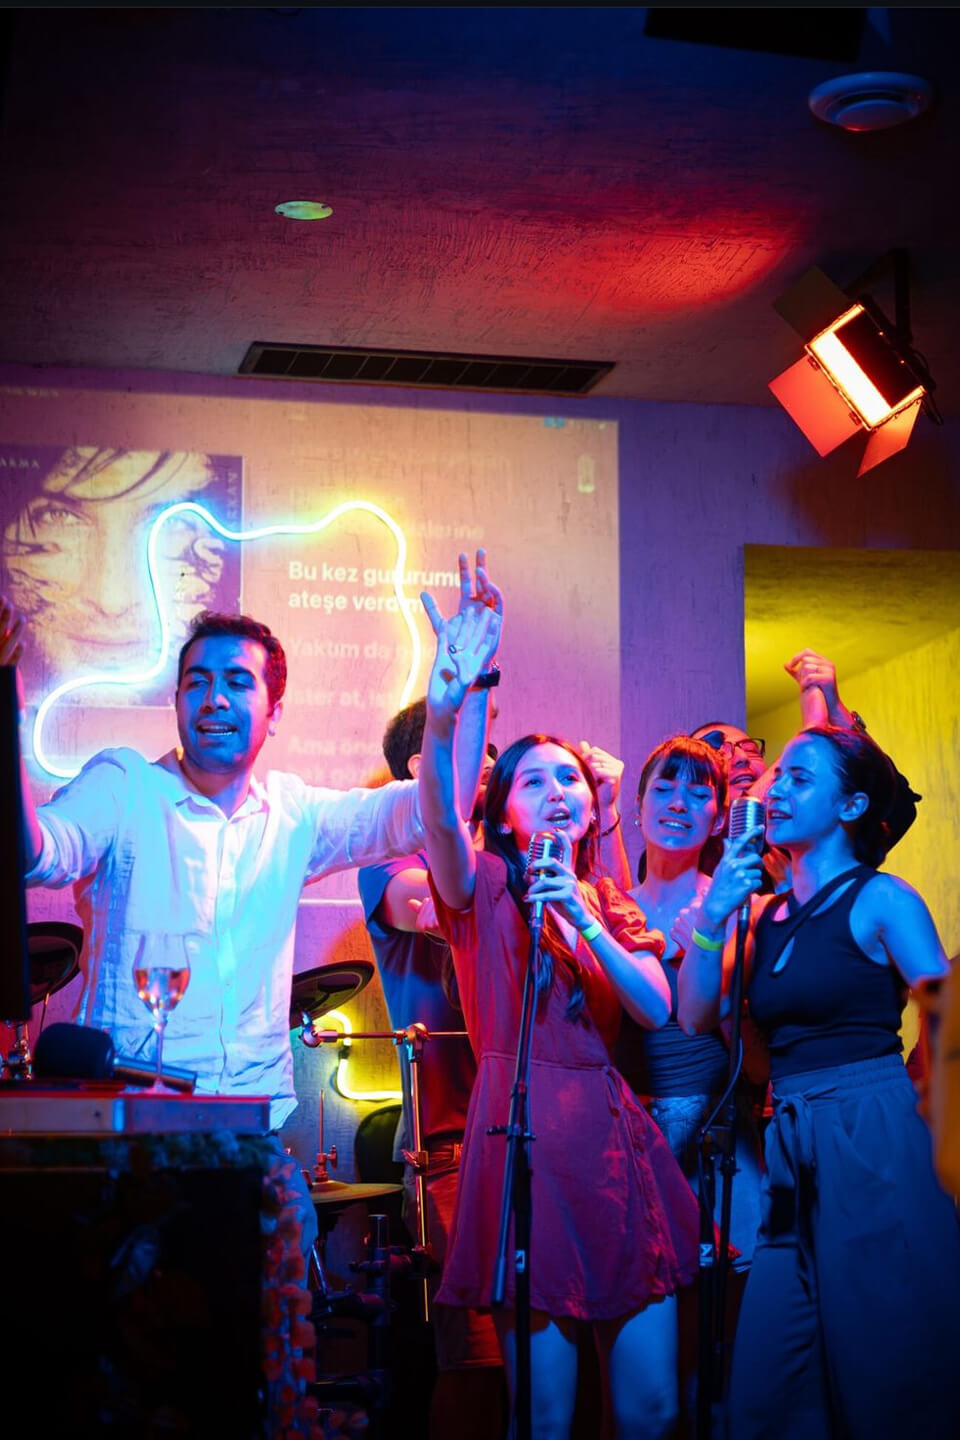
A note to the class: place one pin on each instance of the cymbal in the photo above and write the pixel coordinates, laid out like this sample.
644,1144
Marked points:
337,1192
54,949
326,987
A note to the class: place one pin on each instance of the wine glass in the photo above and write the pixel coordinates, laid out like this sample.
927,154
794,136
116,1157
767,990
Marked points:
161,973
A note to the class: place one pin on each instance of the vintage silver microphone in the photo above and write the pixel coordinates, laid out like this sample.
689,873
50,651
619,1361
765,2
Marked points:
746,812
544,845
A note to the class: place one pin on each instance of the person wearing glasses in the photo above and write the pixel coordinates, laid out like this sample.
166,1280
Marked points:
743,755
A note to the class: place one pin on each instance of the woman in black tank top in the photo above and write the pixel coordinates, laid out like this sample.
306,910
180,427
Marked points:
850,1324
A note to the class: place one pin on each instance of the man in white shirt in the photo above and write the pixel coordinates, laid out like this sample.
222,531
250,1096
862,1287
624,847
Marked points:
194,845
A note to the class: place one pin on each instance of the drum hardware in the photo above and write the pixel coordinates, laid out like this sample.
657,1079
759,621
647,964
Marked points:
372,1306
382,1264
413,1039
349,1303
53,954
18,1062
383,1261
319,1177
346,1193
325,987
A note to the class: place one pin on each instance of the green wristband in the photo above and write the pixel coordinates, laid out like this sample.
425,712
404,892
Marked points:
591,931
703,943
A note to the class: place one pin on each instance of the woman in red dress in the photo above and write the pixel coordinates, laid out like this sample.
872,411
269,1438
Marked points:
614,1222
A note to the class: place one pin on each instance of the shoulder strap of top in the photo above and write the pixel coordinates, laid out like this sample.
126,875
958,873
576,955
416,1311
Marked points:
855,878
798,914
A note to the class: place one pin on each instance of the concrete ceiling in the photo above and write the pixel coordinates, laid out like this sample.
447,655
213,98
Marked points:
504,181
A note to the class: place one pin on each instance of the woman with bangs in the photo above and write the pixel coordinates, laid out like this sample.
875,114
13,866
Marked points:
614,1223
850,1324
681,812
681,808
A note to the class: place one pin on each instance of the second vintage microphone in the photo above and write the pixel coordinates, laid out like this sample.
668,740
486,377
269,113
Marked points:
746,812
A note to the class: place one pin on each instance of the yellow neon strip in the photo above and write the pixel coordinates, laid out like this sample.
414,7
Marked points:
340,1079
143,677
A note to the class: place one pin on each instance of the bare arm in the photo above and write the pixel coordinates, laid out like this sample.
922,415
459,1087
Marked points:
11,650
407,903
636,976
474,723
891,922
820,702
465,647
704,973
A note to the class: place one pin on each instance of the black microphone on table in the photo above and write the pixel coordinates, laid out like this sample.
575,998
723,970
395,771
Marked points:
746,812
544,845
81,1052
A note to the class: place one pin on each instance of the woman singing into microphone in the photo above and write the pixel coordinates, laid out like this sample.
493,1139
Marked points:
681,807
850,1325
614,1222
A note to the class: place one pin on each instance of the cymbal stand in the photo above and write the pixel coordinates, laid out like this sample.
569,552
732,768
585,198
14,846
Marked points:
413,1039
382,1263
383,1260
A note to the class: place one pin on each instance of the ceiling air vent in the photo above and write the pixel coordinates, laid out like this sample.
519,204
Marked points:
422,368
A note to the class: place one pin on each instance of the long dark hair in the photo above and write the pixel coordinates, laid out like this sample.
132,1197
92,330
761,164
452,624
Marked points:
863,768
682,757
554,949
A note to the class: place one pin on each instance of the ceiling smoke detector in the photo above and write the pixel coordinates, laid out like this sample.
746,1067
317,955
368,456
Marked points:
872,100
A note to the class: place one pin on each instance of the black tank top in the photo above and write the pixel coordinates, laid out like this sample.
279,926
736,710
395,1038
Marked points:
666,1061
823,1002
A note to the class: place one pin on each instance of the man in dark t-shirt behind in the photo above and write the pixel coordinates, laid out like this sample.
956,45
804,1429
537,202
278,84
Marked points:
419,987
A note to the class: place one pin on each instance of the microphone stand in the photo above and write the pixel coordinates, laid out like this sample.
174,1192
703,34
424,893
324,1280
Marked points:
715,1258
516,1197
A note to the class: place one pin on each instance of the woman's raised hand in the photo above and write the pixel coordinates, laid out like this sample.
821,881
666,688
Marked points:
607,772
467,642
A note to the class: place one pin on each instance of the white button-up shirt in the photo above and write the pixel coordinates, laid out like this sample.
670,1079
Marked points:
149,856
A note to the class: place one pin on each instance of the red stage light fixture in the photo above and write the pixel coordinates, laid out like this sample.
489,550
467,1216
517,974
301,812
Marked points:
858,371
